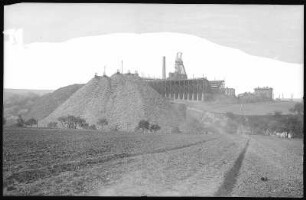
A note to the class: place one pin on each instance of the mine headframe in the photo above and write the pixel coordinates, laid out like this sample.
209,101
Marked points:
180,72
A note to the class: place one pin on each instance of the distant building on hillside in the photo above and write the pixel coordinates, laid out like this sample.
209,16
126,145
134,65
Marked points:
246,97
264,93
259,95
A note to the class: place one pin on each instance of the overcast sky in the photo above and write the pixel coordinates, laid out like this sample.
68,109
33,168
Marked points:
268,31
274,31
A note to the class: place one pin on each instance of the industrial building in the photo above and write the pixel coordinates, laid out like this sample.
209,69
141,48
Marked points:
178,86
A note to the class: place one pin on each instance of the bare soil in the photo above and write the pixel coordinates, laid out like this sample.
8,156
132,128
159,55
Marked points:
63,162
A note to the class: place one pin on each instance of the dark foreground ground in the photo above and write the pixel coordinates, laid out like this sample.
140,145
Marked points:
65,162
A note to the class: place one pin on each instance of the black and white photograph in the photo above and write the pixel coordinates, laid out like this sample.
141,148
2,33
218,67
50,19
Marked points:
153,99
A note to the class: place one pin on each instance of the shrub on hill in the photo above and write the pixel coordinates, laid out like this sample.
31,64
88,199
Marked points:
144,125
92,127
154,127
73,122
102,122
52,125
298,108
31,122
20,121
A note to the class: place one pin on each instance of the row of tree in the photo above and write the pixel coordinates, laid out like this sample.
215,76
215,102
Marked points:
145,125
278,122
20,122
73,122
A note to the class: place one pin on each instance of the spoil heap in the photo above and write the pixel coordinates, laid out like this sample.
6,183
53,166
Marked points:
46,104
123,100
88,102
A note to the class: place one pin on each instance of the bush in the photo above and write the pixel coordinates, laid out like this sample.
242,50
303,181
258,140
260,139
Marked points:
154,127
102,122
298,108
295,124
52,125
72,122
85,126
92,127
31,122
20,121
144,125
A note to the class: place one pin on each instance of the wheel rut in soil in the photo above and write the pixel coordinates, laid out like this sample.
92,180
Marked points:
231,176
127,155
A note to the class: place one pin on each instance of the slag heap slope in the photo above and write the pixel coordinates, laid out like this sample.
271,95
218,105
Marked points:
88,102
132,100
123,100
47,103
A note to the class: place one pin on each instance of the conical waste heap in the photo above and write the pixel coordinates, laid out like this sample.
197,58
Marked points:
123,100
89,102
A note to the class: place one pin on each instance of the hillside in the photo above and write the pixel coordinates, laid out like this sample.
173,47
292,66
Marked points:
261,108
17,104
123,100
44,105
7,93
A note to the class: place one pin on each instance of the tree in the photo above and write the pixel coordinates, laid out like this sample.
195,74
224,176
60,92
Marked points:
294,124
62,120
52,125
85,126
298,108
144,125
93,127
31,122
102,122
154,127
20,121
80,122
73,122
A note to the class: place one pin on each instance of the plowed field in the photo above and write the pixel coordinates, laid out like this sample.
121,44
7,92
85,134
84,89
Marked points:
65,162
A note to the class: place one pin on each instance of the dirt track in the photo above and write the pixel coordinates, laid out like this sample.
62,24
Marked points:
228,165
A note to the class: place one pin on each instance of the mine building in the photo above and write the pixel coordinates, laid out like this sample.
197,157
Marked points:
178,86
179,73
229,91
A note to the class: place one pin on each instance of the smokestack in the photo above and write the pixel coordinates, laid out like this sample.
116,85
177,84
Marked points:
164,67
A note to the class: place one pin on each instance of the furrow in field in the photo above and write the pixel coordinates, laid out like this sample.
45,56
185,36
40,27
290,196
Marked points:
194,171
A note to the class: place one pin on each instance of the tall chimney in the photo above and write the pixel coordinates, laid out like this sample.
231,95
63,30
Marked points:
164,67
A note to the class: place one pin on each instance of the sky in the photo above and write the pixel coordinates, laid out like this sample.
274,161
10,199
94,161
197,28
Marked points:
46,43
